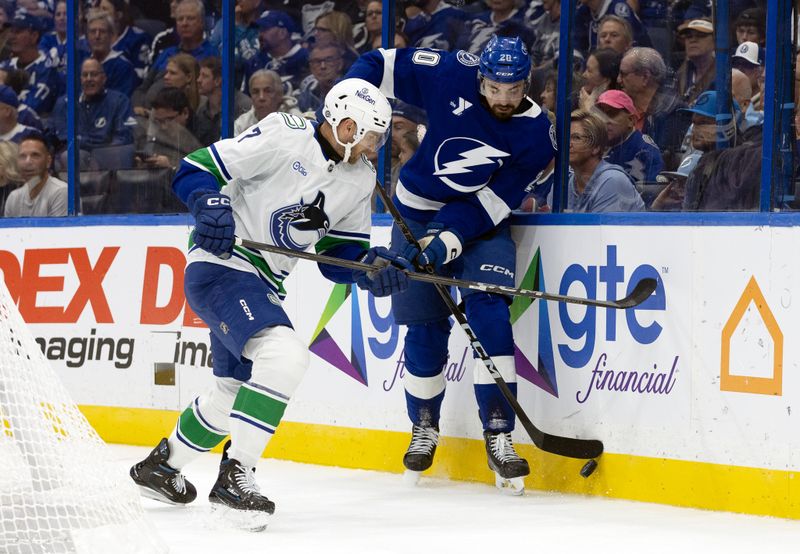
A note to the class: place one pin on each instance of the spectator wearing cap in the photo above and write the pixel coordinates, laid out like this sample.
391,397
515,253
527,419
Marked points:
749,59
705,132
266,93
42,195
670,198
698,71
245,33
616,33
10,127
591,12
100,33
327,66
636,153
594,184
724,179
750,26
44,83
643,75
728,179
279,52
105,117
434,24
189,26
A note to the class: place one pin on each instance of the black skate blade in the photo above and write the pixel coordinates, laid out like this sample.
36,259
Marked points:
147,492
244,520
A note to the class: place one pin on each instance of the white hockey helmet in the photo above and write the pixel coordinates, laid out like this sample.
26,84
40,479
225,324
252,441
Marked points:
362,102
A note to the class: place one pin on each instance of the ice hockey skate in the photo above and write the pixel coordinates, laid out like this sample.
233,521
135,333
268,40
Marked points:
236,499
419,455
509,468
159,481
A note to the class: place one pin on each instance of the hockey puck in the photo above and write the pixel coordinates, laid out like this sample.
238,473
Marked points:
588,468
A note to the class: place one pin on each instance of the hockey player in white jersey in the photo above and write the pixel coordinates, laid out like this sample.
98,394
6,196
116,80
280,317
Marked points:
289,183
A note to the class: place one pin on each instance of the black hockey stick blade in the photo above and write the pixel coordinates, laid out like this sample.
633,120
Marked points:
640,293
582,449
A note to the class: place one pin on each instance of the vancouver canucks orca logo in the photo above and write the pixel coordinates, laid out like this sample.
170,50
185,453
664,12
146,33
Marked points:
466,164
299,225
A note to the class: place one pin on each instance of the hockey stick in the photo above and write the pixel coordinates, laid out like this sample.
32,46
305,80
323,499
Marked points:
640,293
555,444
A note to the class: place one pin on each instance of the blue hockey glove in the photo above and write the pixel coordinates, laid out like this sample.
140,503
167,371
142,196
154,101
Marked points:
387,277
439,246
214,226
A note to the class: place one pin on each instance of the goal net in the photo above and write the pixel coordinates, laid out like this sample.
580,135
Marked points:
60,490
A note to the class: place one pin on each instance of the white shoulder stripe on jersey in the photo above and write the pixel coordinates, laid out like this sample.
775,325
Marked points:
387,84
533,111
413,201
493,204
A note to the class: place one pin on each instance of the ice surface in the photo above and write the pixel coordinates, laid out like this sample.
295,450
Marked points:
332,510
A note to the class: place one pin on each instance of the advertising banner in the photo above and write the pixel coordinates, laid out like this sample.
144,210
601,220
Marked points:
703,370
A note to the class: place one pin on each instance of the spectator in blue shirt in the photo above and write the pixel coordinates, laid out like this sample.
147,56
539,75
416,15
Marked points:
278,51
44,84
596,185
189,22
435,25
589,14
636,153
54,43
131,41
10,127
105,117
120,73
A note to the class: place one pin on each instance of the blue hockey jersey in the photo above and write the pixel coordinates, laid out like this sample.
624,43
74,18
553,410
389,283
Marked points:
134,44
44,85
471,169
638,155
586,24
441,29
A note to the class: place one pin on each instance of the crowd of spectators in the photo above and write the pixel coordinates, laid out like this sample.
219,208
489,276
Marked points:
645,134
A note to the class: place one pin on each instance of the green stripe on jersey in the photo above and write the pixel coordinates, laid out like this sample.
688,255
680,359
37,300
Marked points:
203,158
261,264
259,405
328,242
195,432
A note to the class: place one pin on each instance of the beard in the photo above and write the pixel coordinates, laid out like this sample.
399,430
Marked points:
503,112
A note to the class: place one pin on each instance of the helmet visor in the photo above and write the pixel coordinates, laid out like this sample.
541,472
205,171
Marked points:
373,140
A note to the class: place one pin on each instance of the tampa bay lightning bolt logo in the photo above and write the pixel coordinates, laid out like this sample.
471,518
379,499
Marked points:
467,164
299,225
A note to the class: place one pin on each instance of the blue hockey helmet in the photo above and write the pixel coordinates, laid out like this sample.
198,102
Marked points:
505,60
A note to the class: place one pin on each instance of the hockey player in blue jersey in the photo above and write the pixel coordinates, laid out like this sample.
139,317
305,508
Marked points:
286,183
486,142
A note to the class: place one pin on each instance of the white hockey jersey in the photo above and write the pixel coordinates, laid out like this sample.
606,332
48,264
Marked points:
286,193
